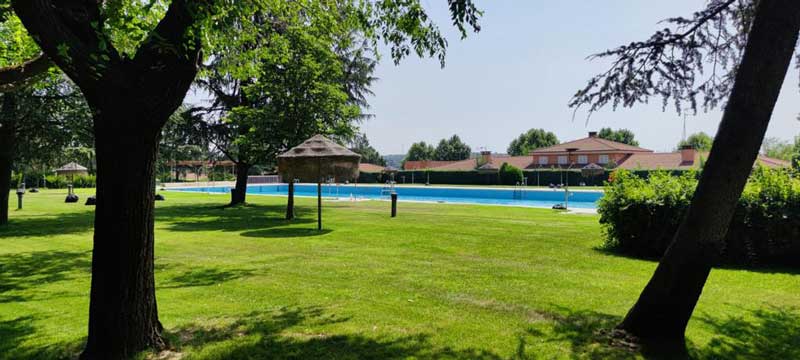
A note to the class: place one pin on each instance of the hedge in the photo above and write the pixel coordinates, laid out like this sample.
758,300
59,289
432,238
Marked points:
640,217
534,177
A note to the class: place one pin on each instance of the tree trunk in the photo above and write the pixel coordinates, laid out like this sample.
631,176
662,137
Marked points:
8,137
239,192
123,317
660,316
290,202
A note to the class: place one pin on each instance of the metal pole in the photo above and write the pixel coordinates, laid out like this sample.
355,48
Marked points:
394,204
319,206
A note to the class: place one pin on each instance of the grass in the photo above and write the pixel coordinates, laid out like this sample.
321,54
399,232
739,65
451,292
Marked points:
438,281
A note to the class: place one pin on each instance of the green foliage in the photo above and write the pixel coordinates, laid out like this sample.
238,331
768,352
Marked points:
420,151
531,140
220,175
509,174
452,149
61,182
360,145
624,136
700,141
640,216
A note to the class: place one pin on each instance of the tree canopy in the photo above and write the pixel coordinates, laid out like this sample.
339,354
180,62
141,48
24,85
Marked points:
420,151
700,141
624,136
531,140
360,145
452,149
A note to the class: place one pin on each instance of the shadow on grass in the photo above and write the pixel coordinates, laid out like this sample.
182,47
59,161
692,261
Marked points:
283,335
205,277
262,221
45,225
765,269
20,272
14,332
771,333
585,333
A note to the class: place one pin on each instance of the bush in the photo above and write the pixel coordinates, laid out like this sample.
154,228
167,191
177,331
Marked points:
61,182
509,174
640,216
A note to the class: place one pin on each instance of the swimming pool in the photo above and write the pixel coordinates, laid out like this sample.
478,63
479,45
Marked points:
495,196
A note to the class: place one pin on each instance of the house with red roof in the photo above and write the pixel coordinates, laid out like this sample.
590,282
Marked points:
589,151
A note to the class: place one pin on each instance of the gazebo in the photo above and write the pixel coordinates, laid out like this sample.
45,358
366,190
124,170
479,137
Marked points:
316,160
72,169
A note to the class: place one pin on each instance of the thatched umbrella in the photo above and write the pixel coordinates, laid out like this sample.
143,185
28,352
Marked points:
316,160
592,170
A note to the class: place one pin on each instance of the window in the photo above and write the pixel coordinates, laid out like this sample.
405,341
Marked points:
542,160
562,160
603,159
583,159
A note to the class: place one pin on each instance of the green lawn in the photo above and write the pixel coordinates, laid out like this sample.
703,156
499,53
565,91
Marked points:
438,281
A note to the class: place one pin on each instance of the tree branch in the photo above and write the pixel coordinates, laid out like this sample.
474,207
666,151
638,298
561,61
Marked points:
16,77
70,33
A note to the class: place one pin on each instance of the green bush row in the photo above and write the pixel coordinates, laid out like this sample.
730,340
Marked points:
53,181
542,177
640,216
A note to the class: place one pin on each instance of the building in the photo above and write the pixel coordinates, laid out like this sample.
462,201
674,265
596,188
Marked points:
584,152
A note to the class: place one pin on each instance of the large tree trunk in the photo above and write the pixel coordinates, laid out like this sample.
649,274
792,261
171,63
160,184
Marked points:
660,316
239,192
8,137
123,317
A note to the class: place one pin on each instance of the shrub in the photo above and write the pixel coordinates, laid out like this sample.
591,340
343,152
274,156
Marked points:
61,182
640,216
509,174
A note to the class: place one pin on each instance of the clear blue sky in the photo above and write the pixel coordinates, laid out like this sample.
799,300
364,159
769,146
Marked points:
522,68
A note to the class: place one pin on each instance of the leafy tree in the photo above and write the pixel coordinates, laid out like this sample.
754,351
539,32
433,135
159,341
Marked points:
510,174
420,151
778,149
360,145
180,140
749,46
452,149
134,62
531,140
700,141
299,85
624,136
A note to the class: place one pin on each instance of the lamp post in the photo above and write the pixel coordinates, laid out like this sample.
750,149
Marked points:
566,184
20,193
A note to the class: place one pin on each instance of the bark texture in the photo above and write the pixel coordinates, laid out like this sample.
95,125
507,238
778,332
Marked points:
131,99
660,316
8,140
123,316
239,192
290,202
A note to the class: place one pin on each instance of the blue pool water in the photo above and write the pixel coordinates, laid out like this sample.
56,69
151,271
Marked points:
535,198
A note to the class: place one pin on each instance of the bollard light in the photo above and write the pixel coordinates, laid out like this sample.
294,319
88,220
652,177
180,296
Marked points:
20,194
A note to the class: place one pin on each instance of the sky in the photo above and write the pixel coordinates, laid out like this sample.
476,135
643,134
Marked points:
520,71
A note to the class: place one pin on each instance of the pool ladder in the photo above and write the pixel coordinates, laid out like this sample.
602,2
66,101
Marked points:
387,189
519,191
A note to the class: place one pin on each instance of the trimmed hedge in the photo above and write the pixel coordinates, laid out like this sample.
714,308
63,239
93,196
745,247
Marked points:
509,174
640,216
543,177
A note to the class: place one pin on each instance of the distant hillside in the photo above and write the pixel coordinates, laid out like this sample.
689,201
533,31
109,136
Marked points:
394,160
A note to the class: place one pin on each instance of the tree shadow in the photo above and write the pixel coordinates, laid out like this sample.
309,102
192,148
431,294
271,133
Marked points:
586,333
271,336
205,277
48,225
254,220
772,333
20,272
765,269
14,332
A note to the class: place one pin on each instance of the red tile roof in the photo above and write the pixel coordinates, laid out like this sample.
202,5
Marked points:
424,164
591,144
673,160
370,168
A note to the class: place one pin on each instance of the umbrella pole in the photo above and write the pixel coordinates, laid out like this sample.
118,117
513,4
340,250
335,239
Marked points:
319,206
